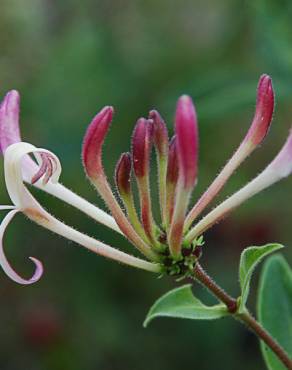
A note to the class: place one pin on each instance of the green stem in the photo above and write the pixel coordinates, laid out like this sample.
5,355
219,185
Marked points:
245,317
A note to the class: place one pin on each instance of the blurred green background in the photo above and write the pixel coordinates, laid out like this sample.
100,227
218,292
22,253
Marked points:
68,58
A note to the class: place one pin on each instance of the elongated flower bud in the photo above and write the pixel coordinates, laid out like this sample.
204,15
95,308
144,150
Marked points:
160,138
9,120
93,140
264,112
160,134
187,140
123,174
141,148
172,167
92,159
278,169
254,137
123,182
172,178
187,150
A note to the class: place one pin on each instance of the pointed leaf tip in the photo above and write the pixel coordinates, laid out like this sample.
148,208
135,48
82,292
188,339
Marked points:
250,258
181,303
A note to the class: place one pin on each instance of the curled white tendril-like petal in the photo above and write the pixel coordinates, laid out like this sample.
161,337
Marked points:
48,171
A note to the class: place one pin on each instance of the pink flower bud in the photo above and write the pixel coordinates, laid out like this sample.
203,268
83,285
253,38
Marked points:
123,174
160,134
141,146
187,140
172,167
93,141
9,120
264,111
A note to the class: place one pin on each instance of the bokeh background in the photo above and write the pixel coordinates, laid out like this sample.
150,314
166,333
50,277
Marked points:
68,58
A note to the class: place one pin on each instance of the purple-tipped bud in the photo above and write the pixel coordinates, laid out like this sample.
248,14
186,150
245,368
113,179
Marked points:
141,146
123,174
187,140
160,134
264,111
172,166
9,120
93,141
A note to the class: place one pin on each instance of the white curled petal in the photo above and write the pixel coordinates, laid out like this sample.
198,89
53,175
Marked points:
6,207
13,172
16,156
4,262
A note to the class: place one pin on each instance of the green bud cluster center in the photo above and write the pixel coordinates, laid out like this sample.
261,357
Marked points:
184,266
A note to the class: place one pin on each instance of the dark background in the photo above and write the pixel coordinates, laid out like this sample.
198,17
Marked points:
69,58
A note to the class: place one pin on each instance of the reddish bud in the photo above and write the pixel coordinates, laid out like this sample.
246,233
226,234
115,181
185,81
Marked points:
172,166
187,140
123,173
141,146
264,111
93,141
9,120
160,134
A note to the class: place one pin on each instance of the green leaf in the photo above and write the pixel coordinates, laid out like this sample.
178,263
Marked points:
181,303
275,307
249,259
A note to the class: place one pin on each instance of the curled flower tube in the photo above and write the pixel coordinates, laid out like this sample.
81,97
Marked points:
24,202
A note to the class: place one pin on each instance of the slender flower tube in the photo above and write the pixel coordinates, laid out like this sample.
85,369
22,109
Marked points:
24,202
160,139
254,137
278,169
123,182
141,151
92,160
187,150
171,180
10,134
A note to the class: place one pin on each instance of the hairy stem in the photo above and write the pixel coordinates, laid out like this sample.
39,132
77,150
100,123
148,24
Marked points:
201,275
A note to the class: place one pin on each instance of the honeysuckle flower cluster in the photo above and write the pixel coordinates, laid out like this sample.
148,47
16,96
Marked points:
171,246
